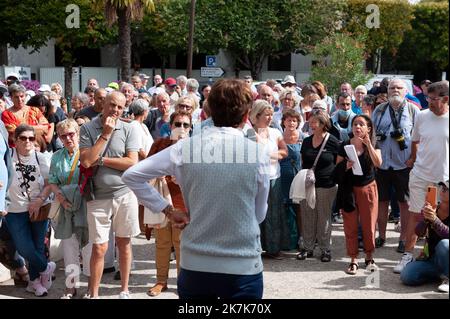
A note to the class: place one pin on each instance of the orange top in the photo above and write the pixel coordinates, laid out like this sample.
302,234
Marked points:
32,117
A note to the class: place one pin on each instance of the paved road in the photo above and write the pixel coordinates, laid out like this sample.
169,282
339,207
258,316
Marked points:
285,279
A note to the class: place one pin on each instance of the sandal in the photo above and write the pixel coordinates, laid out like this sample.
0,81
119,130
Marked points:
352,269
157,289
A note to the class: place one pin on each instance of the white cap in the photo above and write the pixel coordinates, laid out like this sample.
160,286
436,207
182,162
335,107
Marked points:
109,89
44,88
13,74
288,79
30,93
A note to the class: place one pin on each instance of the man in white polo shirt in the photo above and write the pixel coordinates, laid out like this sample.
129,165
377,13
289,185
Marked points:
430,152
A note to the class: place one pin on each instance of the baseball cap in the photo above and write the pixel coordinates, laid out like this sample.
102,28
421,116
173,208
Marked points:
144,76
44,88
170,82
113,85
288,79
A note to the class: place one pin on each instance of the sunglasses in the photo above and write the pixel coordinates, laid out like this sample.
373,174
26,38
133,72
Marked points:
185,125
27,138
67,135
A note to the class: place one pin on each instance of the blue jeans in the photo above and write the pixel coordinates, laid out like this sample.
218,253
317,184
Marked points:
29,240
419,272
8,254
196,284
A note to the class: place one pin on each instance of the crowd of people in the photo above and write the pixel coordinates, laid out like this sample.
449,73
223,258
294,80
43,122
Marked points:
223,176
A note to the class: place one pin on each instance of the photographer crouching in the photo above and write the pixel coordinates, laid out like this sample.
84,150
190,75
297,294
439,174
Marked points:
394,121
433,262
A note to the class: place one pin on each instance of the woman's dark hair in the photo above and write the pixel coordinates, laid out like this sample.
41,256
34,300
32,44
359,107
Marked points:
308,89
40,140
321,90
372,135
41,100
290,113
229,102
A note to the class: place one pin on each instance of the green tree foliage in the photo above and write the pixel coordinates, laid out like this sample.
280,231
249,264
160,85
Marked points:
255,29
250,30
341,59
395,19
32,23
425,48
124,12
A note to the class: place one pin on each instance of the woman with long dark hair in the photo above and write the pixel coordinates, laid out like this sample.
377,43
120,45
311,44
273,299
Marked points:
358,194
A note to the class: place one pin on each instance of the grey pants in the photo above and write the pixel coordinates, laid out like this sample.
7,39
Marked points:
316,223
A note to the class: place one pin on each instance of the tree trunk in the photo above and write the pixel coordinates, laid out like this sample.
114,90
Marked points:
163,66
68,85
124,44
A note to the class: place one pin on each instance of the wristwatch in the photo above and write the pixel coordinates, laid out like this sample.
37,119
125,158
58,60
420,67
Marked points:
100,161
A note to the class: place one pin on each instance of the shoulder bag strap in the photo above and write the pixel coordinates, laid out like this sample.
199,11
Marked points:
74,165
325,140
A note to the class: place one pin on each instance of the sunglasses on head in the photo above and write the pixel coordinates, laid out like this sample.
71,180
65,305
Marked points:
27,138
185,125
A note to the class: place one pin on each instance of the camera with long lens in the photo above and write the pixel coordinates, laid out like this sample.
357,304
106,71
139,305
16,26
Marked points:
400,138
380,136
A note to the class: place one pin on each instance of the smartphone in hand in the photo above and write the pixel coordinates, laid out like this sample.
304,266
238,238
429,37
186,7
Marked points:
431,196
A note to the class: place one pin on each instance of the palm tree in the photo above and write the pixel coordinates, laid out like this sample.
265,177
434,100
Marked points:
125,11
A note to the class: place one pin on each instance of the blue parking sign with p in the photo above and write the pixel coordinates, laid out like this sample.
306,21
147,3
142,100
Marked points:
210,60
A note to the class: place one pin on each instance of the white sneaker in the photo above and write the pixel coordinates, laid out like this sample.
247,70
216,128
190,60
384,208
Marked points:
443,287
406,259
46,276
124,295
36,287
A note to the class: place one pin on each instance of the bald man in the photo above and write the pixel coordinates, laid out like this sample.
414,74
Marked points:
110,146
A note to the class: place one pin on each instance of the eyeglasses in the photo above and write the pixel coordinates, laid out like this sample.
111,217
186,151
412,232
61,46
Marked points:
429,98
27,138
185,125
67,135
184,106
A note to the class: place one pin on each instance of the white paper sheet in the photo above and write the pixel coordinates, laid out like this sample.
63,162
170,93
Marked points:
351,154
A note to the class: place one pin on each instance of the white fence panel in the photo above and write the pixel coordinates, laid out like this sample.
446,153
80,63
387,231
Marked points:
52,75
104,76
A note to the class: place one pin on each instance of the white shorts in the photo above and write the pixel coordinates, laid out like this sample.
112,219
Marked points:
417,192
122,212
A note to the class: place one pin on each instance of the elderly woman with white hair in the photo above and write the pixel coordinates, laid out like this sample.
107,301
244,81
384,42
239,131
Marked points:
79,101
360,93
274,230
140,108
